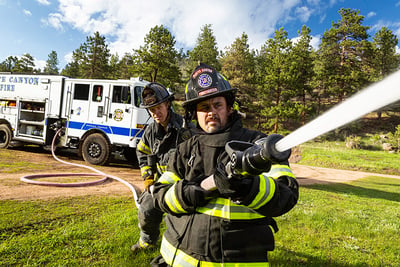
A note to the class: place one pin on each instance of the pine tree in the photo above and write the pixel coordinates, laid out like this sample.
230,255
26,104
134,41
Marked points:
238,65
90,60
114,71
386,59
343,66
95,63
25,64
73,69
274,79
9,64
156,60
51,63
125,66
205,50
302,67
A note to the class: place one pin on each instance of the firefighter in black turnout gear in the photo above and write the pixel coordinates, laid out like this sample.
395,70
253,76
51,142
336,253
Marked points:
232,225
158,142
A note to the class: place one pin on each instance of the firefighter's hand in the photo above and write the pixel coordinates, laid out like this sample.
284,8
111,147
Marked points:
235,187
194,195
149,181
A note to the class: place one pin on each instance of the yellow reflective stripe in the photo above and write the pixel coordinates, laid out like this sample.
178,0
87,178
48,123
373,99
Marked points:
280,170
176,257
143,243
172,201
142,147
168,178
161,168
144,169
265,192
167,251
224,208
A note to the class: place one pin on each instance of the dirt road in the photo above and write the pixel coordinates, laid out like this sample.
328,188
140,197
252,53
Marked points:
12,188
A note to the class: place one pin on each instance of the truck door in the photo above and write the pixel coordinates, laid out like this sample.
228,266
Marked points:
78,108
99,105
88,107
125,117
119,113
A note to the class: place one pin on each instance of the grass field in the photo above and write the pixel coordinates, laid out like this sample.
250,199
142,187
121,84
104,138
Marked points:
347,224
335,155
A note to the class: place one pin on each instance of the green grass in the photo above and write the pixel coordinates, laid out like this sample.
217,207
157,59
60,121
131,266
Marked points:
352,224
11,163
80,231
335,155
344,224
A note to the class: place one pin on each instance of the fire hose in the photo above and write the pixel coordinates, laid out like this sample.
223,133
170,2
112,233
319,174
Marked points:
31,178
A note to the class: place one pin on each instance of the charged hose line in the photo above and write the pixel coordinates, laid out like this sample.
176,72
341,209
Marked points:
30,178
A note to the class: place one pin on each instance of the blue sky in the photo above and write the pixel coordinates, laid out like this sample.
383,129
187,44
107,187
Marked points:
39,26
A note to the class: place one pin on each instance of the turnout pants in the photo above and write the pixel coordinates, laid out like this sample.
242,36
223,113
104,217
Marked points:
150,219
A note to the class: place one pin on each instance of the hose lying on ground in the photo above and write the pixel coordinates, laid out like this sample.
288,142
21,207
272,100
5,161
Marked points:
30,178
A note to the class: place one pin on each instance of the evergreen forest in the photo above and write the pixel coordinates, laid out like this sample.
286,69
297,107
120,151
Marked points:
281,86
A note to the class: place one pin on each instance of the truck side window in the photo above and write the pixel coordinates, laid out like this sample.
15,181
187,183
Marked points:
81,91
97,95
138,95
118,95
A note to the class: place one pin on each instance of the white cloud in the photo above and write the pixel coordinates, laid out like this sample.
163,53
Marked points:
315,41
303,13
54,20
68,57
43,2
39,64
371,14
394,26
127,22
27,12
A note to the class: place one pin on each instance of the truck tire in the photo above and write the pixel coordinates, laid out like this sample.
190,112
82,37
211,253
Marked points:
96,149
5,136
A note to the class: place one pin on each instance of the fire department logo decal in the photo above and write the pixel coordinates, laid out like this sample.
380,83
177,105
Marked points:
204,80
118,114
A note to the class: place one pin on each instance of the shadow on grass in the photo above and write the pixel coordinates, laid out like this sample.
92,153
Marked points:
360,191
295,258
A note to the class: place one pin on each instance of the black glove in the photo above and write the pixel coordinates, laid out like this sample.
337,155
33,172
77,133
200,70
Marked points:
152,163
235,187
193,194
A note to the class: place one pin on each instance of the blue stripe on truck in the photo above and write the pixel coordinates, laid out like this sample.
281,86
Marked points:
105,128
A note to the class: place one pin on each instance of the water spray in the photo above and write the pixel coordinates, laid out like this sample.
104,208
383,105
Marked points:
372,98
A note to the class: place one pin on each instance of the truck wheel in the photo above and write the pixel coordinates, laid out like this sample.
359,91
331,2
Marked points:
96,149
5,136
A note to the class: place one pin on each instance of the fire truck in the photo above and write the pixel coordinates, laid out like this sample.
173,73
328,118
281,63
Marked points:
97,117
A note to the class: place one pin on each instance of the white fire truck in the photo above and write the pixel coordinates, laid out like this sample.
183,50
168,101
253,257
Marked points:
99,117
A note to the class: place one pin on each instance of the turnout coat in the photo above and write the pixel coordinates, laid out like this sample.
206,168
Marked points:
223,230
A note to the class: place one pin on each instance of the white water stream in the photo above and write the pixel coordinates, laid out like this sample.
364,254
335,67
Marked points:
373,97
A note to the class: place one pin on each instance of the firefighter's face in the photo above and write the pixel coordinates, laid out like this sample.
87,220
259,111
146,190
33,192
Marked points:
212,114
160,113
